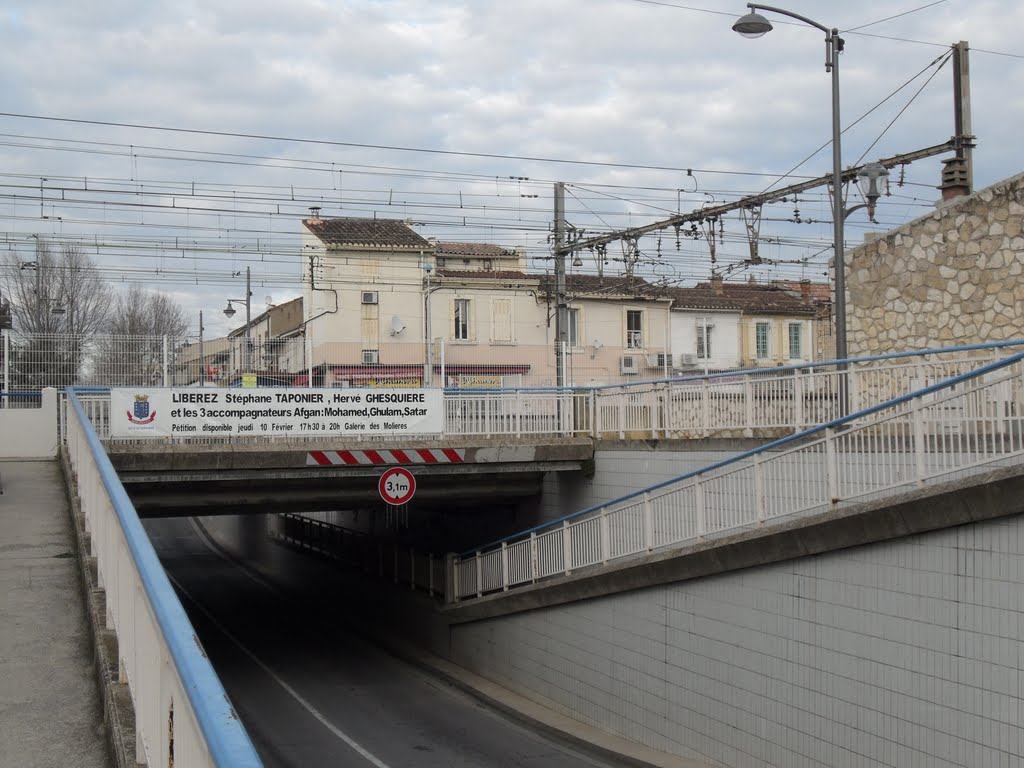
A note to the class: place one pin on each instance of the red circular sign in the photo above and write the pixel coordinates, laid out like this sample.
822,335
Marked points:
397,486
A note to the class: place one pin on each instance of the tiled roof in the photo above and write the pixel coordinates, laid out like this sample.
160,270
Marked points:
819,291
702,298
479,250
596,285
369,232
761,299
481,274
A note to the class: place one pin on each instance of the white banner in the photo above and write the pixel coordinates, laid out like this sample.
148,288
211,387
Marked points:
212,412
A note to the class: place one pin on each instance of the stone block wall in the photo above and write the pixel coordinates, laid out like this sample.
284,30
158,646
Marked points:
951,277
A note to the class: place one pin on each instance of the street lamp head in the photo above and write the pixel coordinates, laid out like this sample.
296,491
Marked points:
752,25
869,180
229,311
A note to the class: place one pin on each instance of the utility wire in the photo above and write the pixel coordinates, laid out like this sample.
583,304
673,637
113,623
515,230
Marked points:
348,144
896,16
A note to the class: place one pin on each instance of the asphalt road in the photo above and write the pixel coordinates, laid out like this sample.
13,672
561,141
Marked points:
312,694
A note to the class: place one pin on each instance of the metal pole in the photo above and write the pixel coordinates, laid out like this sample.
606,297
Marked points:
39,292
248,318
428,355
561,307
202,355
835,46
962,107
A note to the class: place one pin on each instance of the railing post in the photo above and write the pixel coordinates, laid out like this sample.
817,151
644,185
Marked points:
798,401
534,564
855,375
606,544
5,336
622,413
308,350
594,410
451,582
666,410
504,566
479,575
705,409
831,466
759,490
920,440
648,523
518,414
566,547
748,405
430,574
700,504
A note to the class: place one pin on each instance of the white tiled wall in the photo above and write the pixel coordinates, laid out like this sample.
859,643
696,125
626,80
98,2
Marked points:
907,653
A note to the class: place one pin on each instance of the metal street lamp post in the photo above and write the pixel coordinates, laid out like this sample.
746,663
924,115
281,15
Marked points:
428,351
229,312
755,25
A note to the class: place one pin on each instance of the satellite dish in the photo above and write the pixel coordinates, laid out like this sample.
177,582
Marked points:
397,325
269,300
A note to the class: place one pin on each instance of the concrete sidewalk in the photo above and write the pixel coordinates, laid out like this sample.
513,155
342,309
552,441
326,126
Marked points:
51,712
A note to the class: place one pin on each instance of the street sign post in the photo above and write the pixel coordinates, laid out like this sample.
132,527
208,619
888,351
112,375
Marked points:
397,486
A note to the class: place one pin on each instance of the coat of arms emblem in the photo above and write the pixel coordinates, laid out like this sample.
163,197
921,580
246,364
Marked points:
141,412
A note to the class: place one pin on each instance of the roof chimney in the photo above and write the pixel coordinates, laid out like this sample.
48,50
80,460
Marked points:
314,213
716,284
805,291
954,179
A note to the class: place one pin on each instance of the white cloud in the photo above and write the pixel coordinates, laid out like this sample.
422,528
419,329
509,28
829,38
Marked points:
617,81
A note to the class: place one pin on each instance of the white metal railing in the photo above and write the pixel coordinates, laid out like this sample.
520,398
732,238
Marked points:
775,401
955,428
386,559
764,402
182,714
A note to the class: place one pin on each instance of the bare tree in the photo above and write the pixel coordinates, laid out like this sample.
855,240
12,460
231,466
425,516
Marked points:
143,327
58,302
59,292
138,312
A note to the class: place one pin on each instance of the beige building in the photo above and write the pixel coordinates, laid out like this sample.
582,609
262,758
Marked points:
376,292
950,277
776,325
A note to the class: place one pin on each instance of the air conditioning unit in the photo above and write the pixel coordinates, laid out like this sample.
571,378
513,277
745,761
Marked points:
630,364
369,297
687,358
371,357
660,360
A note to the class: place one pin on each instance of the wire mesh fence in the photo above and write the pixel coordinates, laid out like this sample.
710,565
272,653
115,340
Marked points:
30,362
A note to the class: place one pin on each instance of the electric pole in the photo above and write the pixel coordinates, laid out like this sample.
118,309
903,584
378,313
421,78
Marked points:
561,306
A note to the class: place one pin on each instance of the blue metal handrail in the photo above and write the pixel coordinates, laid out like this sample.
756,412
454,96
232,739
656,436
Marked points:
998,364
226,738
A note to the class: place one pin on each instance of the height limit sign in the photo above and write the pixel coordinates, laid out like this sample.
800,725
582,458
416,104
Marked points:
397,486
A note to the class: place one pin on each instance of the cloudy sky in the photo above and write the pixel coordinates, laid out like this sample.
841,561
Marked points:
182,142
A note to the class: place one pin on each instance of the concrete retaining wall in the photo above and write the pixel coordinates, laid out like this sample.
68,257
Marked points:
902,653
30,433
624,467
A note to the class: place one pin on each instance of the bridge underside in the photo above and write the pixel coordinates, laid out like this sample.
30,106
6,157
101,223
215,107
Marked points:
166,480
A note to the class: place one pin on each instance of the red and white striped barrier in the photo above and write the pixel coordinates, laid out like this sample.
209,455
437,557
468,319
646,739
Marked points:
383,458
